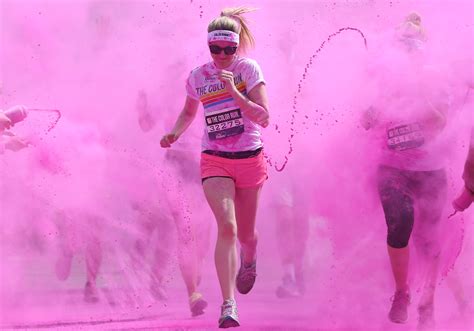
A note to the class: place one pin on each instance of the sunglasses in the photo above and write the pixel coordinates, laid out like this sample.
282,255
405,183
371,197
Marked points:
229,50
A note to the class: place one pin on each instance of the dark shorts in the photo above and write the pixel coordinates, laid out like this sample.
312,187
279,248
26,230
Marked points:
406,195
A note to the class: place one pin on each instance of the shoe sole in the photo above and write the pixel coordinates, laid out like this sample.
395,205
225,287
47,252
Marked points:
228,323
197,308
398,321
242,289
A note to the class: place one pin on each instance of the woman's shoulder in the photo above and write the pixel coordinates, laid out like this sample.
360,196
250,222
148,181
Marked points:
244,64
245,61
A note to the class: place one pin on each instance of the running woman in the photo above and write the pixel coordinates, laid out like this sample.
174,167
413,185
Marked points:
232,91
192,245
409,119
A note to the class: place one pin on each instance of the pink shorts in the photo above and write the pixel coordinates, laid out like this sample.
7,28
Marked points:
245,173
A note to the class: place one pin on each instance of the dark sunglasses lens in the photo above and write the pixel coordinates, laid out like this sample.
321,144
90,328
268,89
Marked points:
229,50
215,49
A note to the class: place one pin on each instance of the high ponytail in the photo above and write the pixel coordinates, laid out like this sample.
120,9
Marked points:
232,19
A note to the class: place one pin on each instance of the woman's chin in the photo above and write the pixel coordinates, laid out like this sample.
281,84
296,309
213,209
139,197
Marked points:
223,63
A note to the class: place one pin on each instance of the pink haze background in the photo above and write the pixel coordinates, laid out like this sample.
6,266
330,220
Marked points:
92,59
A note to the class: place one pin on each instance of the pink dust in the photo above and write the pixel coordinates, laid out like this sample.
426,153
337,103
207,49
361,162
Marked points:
94,199
295,98
53,111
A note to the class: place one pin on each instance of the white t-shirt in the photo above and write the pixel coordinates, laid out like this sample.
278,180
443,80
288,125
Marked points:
226,128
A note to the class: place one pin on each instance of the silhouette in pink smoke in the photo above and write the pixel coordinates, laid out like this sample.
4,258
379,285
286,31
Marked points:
155,217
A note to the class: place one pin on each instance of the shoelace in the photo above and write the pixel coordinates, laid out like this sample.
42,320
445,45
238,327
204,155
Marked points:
195,297
249,272
400,296
229,308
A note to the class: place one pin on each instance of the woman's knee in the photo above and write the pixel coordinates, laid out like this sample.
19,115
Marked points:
399,232
399,217
227,230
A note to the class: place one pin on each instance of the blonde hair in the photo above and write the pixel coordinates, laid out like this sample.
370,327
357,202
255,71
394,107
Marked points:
231,19
411,27
414,18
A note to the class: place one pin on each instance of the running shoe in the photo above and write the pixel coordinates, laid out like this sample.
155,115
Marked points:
246,276
90,293
426,317
197,304
288,288
229,316
400,301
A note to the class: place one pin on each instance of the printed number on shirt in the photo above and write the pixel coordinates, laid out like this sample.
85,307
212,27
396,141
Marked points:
405,137
224,123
